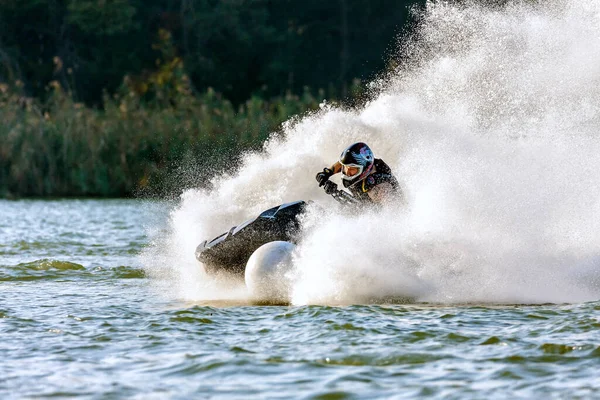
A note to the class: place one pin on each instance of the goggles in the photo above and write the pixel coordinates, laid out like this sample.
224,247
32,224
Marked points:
351,171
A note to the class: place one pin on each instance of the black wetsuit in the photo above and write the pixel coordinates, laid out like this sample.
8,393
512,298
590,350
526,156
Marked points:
382,174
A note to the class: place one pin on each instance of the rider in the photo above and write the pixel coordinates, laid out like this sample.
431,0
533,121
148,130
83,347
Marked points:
369,179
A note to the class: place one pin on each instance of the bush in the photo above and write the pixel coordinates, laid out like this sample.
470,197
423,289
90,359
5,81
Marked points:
140,137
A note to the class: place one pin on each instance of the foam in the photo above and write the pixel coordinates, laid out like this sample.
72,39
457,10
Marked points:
491,126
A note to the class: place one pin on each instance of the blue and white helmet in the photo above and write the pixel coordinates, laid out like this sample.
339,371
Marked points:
357,162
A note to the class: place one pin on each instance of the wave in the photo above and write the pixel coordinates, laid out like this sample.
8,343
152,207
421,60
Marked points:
48,269
491,125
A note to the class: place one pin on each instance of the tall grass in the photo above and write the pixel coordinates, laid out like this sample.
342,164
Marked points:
138,139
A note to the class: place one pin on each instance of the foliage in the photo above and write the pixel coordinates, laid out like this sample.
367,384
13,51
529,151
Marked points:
63,148
102,97
238,47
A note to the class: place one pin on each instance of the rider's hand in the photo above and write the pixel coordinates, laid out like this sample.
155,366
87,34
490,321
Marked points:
324,176
330,187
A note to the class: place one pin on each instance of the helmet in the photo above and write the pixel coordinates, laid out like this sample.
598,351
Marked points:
357,162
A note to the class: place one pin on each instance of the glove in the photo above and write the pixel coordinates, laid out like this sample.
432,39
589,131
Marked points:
330,187
324,176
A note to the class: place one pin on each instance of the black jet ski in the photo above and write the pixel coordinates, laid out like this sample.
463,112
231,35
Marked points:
230,251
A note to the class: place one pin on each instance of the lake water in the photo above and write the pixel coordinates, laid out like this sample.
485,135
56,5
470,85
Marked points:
80,317
490,121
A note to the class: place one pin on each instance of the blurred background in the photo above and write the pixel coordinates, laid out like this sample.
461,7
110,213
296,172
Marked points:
116,98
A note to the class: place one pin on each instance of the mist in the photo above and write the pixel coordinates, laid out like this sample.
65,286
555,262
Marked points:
489,123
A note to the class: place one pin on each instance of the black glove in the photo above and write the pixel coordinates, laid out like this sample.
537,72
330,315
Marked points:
330,187
324,176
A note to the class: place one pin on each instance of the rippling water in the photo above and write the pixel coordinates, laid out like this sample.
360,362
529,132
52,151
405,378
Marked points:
80,318
491,124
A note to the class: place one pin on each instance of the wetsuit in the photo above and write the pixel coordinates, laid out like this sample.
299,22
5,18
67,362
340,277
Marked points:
382,174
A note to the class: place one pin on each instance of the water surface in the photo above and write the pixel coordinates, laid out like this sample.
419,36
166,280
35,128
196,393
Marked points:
80,318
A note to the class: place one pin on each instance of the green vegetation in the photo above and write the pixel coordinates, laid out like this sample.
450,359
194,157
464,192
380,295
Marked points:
110,97
63,148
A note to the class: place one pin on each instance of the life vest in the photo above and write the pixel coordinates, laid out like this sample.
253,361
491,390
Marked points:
382,174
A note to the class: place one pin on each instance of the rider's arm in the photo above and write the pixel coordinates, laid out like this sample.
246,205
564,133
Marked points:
337,167
324,175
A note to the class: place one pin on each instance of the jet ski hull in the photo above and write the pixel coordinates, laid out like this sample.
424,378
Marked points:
230,251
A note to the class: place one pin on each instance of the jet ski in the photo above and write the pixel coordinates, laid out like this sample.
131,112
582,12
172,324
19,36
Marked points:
229,252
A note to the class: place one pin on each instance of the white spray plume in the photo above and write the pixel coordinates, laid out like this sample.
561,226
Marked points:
491,126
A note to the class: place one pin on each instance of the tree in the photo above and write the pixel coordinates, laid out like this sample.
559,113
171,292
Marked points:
238,47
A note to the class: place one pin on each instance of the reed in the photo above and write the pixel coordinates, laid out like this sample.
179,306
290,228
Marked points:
135,143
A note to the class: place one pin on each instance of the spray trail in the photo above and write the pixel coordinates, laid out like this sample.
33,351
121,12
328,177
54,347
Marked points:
491,125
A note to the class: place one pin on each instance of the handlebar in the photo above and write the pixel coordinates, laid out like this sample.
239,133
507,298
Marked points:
344,197
340,196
